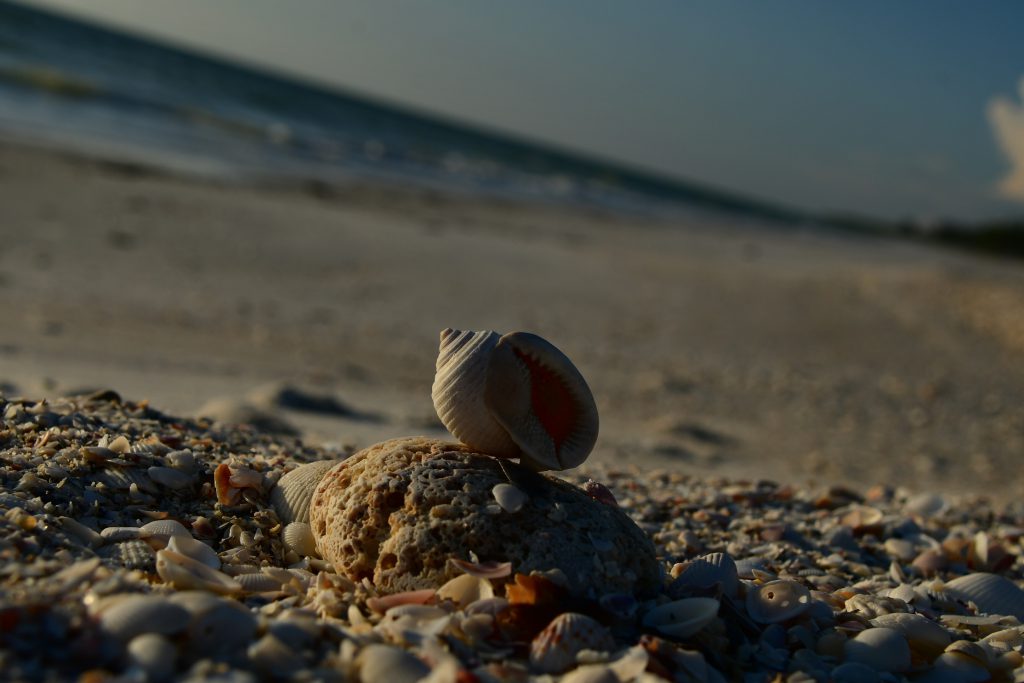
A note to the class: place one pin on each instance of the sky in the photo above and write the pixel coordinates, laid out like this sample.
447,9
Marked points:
896,110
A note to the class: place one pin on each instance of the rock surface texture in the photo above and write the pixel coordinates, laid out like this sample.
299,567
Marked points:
397,511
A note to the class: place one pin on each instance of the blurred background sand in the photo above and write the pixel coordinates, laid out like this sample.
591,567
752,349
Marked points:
713,345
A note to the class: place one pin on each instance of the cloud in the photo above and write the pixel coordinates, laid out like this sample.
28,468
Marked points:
1007,119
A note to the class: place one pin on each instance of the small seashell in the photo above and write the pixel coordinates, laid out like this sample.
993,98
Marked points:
153,654
171,478
164,527
705,572
270,655
599,492
777,601
298,536
924,636
484,570
555,648
509,497
514,396
116,534
183,461
682,618
128,554
216,625
383,604
120,445
883,649
197,550
466,589
291,496
993,594
258,582
137,614
80,531
388,663
184,573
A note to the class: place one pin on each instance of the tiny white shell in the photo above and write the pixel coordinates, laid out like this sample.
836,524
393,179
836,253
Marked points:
197,550
465,589
555,648
992,593
298,536
510,498
293,492
777,601
513,396
184,573
682,618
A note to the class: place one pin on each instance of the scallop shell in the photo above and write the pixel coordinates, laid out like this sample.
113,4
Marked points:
298,536
993,594
514,396
555,648
705,572
184,573
682,618
258,582
295,489
777,601
164,527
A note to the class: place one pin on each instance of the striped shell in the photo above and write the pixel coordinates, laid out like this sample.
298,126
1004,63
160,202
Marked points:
555,648
993,594
184,573
298,536
293,492
514,396
705,572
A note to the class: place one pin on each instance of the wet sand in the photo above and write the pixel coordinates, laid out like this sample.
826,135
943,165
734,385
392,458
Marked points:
713,344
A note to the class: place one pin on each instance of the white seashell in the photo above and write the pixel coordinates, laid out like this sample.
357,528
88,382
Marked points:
777,601
137,614
164,527
216,625
80,531
116,534
120,445
184,573
510,498
294,490
465,589
993,594
706,571
514,396
924,635
591,673
298,536
258,582
555,648
682,618
631,663
388,663
197,550
181,460
883,649
153,654
171,478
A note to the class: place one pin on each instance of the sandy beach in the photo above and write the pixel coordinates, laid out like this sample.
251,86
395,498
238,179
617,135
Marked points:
713,344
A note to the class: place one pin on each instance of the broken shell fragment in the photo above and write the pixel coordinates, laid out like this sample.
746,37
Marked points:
466,589
197,550
555,648
513,396
682,618
184,573
777,601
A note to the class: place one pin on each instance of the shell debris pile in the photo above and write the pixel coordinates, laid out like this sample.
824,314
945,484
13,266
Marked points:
119,560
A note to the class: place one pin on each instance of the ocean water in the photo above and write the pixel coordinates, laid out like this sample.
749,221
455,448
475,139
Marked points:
73,84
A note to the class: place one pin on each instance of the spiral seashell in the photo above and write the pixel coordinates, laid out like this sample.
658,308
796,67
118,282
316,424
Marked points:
514,396
291,496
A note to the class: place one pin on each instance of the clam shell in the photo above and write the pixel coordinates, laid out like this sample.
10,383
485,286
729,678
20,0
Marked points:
777,601
291,496
883,649
682,618
466,589
137,614
555,648
459,389
510,498
298,536
197,550
184,572
924,635
993,594
540,398
706,571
